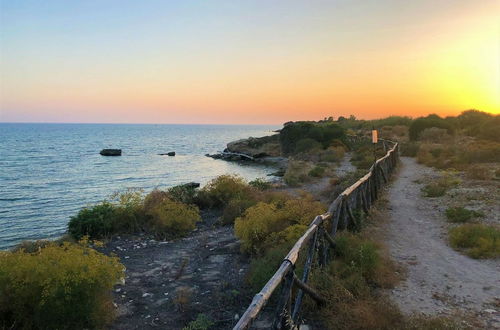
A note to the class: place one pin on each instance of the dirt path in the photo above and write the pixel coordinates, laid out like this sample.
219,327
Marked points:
439,279
168,284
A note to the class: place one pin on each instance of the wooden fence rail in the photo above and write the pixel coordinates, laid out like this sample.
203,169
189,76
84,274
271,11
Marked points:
359,196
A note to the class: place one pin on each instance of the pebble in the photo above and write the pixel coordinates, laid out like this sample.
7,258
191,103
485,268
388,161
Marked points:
146,295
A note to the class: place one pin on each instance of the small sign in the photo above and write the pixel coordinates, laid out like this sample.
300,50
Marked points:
374,136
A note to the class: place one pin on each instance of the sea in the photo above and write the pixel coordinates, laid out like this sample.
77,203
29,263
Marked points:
48,172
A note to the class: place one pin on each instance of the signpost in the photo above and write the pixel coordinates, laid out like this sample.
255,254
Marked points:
374,141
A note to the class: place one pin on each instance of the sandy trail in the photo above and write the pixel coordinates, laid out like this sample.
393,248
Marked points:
439,279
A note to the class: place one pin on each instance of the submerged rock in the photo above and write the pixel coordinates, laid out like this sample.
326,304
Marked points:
111,152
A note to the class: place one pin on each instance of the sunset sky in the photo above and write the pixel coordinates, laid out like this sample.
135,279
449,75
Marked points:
246,61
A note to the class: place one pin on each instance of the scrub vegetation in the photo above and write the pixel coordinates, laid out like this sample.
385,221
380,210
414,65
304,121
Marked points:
476,240
58,286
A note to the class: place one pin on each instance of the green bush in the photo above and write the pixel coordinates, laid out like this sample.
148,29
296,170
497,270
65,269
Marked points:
170,219
307,145
478,240
409,149
263,220
324,133
129,212
317,171
350,283
183,193
420,124
297,173
202,322
262,268
219,191
461,214
235,208
95,221
332,154
57,287
260,184
440,186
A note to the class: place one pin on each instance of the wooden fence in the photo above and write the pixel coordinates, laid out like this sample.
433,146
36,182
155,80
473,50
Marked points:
361,195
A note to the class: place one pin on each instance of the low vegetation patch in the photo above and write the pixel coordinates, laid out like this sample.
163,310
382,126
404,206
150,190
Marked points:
460,214
60,286
440,186
263,225
297,172
476,240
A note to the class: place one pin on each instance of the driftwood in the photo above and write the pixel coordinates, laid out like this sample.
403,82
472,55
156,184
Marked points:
360,195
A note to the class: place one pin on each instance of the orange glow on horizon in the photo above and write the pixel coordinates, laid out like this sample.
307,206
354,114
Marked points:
444,66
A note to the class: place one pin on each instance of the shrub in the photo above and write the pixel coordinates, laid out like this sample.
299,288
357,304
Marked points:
307,145
317,171
264,220
129,212
461,214
332,154
235,208
440,186
184,193
297,173
171,219
57,287
154,198
202,322
222,189
260,184
478,172
480,152
263,267
95,221
434,134
478,240
420,124
349,284
324,133
409,149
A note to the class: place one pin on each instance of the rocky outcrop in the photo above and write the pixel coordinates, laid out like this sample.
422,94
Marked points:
267,146
111,152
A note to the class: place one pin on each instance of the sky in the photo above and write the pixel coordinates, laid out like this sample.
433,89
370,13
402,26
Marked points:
246,62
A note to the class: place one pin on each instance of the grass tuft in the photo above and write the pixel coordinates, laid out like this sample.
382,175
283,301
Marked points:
477,240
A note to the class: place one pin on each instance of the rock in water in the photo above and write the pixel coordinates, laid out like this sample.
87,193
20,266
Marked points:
111,152
171,153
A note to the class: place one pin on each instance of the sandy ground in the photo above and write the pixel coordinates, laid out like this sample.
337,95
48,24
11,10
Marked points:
439,279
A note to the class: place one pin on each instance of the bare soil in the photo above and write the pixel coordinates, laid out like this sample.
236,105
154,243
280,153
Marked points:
168,283
440,280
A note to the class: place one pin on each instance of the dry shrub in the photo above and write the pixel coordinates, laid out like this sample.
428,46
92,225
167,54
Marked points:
64,286
435,135
154,198
332,154
349,285
297,172
182,298
478,172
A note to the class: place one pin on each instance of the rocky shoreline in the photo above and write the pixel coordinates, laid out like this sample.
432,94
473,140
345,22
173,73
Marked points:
264,150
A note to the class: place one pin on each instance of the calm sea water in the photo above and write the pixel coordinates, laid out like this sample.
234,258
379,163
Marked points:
50,171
